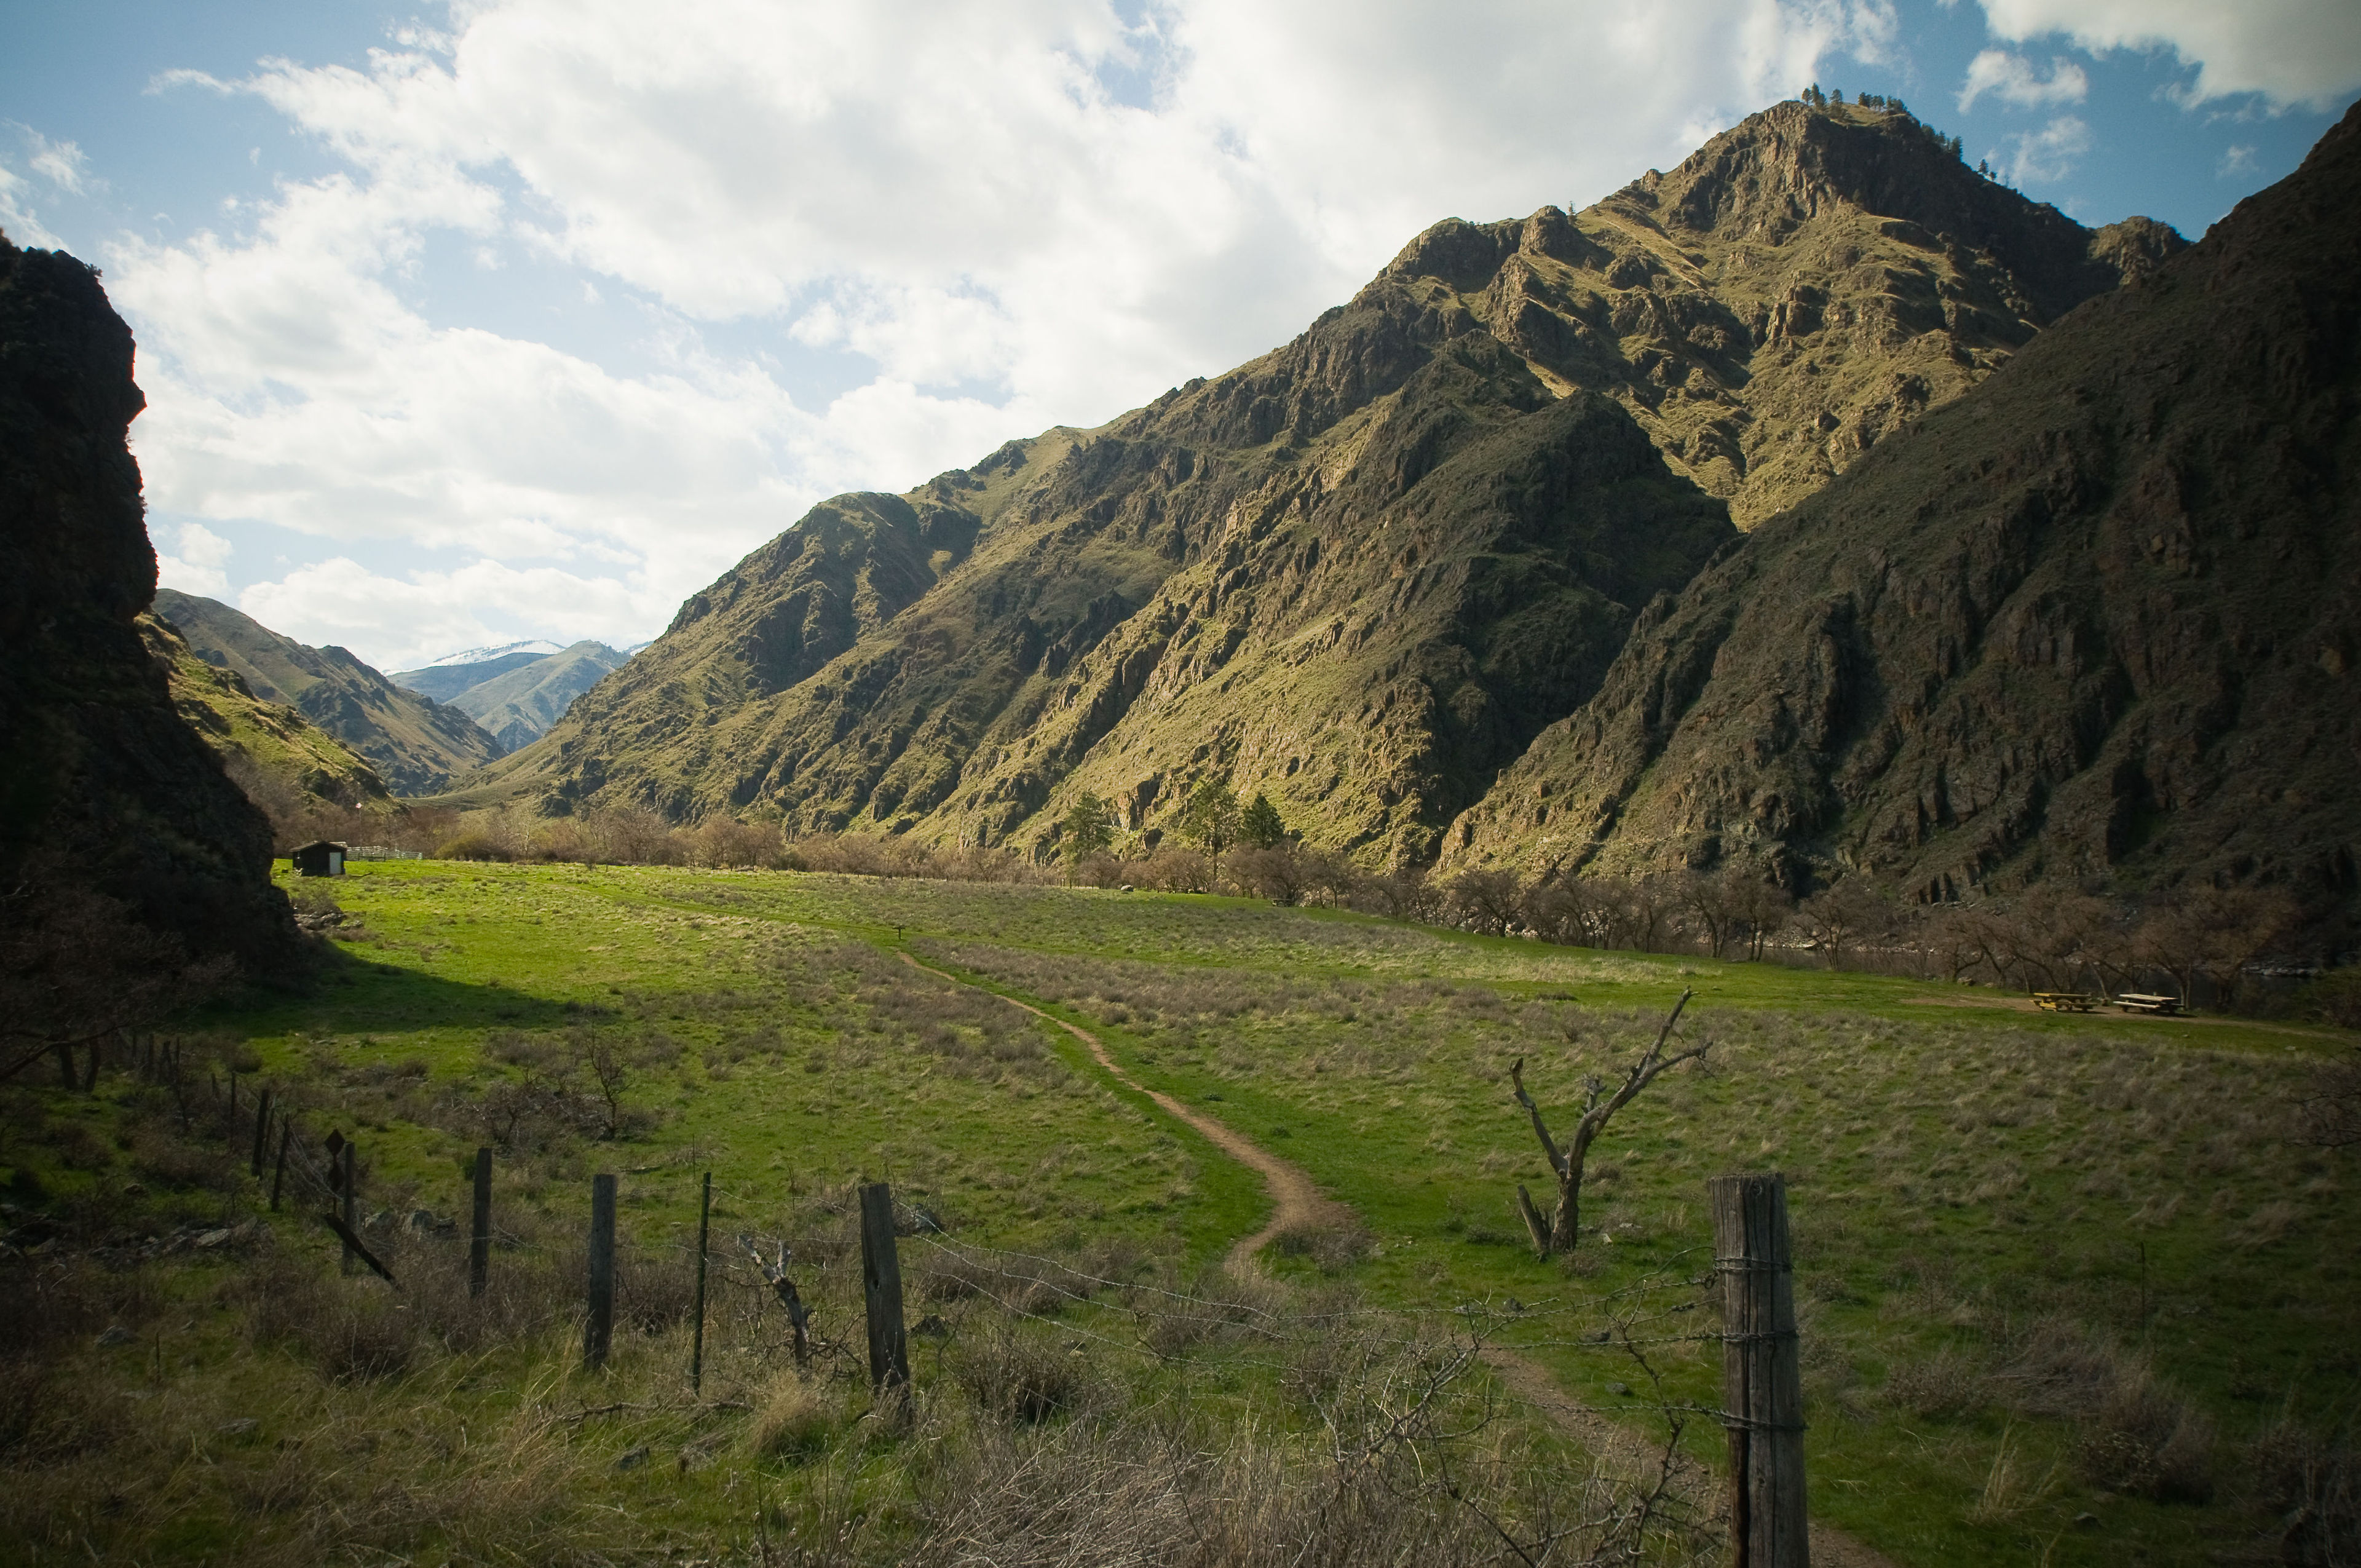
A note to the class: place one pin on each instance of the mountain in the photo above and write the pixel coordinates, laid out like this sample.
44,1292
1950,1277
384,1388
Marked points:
415,744
533,647
445,679
283,761
103,788
2099,619
518,692
1362,573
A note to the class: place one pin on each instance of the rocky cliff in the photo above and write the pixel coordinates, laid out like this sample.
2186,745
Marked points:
97,773
2098,618
1362,573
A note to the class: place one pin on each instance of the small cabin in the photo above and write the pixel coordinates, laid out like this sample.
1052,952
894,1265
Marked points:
319,858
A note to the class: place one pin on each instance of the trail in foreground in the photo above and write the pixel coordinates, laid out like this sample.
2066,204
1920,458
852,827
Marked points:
1296,1203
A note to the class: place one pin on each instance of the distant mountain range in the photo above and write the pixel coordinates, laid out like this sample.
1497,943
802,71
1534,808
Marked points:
518,690
420,729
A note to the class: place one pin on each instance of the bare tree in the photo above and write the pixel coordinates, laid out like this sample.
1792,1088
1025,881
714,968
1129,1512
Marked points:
1487,902
2215,933
1845,915
1598,1107
1764,907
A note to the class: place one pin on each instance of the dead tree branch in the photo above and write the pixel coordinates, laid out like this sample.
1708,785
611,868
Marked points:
1598,1107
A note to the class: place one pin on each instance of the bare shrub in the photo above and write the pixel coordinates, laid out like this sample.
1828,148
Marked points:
794,1421
1942,1386
2312,1487
1019,1373
1334,1248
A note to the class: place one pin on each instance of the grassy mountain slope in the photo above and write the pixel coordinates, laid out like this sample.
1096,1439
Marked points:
277,756
415,744
101,786
444,682
1362,572
2101,617
515,706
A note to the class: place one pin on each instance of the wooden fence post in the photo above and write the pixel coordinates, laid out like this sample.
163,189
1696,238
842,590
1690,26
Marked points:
881,1289
261,1131
480,1238
704,1228
599,1327
1763,1390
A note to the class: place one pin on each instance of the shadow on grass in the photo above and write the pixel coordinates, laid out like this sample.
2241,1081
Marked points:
346,991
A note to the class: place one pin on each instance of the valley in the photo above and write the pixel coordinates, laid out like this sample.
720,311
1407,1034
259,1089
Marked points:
2021,1238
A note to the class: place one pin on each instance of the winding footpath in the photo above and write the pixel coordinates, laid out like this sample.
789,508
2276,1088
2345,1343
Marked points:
1296,1203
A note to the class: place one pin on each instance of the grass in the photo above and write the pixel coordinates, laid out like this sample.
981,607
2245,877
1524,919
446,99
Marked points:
2059,1278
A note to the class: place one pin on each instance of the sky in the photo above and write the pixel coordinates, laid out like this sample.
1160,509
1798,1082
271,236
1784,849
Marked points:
468,323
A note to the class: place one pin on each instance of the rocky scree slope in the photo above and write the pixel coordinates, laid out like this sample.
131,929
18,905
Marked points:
1363,572
2101,619
416,745
97,773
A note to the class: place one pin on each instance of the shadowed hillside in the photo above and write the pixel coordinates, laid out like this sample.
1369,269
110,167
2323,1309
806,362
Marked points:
417,745
284,763
1363,572
2099,619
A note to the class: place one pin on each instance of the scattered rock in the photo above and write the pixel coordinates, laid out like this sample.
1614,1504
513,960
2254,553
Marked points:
634,1459
1621,1390
115,1335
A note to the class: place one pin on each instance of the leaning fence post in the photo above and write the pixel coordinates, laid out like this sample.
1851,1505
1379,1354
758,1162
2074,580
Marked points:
480,1238
1762,1391
261,1131
704,1227
881,1288
599,1327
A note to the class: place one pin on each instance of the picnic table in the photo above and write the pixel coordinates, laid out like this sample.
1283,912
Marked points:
2144,1002
2065,1001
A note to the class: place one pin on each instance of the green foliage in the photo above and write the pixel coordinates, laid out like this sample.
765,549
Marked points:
1210,820
1089,827
1259,825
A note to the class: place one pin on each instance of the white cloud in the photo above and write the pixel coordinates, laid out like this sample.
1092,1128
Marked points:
17,220
2015,81
2291,52
398,623
2040,157
62,163
201,564
2236,163
955,198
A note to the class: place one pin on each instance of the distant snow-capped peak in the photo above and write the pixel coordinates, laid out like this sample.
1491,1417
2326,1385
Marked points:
479,655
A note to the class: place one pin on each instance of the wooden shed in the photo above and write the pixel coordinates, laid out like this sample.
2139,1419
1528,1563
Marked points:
321,857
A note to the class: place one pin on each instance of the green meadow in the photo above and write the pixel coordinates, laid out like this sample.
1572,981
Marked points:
2073,1289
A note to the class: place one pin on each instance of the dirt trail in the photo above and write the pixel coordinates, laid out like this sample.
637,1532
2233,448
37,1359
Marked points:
1297,1202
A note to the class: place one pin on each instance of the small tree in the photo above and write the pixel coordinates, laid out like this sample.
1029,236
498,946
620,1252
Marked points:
1259,826
1089,827
1561,1232
1210,820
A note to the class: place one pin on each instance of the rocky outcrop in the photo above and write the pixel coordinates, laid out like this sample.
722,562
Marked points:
2099,619
96,771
